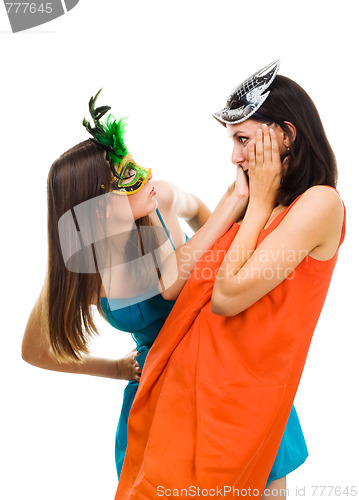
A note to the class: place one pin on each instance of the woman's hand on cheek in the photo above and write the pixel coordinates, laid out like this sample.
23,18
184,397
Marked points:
241,185
264,168
240,189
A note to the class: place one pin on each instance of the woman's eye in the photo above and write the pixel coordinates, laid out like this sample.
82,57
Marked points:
129,173
242,140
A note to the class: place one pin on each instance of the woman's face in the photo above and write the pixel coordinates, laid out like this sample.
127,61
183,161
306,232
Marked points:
143,202
242,134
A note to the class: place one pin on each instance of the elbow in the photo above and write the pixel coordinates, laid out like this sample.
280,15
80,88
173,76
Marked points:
219,301
168,291
35,347
27,354
35,359
171,286
216,308
31,355
219,305
169,294
222,305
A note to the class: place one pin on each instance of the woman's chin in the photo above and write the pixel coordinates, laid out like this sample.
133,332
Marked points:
155,204
151,207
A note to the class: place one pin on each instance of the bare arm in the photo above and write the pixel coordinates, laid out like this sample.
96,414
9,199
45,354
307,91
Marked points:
180,263
199,214
313,223
178,203
246,273
226,195
36,351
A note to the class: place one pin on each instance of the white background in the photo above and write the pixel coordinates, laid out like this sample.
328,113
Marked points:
168,66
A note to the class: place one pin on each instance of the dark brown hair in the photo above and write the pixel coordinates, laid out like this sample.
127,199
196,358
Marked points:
311,159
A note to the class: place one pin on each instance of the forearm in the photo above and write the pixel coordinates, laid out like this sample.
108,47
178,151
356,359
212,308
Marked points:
226,284
264,172
99,367
202,215
36,351
180,264
244,243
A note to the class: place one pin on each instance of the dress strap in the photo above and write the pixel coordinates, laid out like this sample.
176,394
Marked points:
165,228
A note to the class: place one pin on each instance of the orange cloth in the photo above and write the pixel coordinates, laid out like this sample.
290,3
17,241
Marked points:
216,392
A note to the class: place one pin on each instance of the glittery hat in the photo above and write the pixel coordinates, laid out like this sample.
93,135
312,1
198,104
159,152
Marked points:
248,97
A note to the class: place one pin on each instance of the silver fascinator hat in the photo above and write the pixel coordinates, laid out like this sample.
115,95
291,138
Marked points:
249,96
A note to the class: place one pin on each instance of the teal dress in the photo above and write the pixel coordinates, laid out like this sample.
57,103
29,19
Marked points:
144,320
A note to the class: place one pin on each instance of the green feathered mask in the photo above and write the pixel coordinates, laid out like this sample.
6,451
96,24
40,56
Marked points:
128,176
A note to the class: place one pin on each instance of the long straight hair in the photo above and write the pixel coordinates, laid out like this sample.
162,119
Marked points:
80,174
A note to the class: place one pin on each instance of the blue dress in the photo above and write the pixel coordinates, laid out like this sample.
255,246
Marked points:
144,320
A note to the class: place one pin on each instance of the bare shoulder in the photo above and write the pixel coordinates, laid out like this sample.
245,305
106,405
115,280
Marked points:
174,200
166,193
325,194
316,221
319,203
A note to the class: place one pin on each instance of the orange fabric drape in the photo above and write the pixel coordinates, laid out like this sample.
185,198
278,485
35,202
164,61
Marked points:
216,392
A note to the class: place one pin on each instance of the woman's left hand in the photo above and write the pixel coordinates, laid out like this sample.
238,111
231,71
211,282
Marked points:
265,168
128,368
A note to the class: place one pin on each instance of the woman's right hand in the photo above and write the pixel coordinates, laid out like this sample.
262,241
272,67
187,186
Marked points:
128,368
241,187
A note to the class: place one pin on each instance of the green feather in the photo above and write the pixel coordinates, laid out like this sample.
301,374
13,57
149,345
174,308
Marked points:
99,112
108,134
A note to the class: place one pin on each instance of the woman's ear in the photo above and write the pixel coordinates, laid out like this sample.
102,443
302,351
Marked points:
286,136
